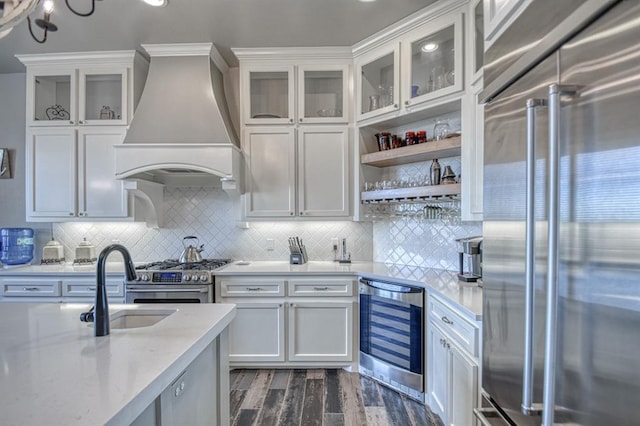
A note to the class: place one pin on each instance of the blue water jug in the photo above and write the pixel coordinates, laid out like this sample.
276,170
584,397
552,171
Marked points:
16,246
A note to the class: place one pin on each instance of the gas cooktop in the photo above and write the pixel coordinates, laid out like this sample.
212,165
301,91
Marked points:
172,271
176,265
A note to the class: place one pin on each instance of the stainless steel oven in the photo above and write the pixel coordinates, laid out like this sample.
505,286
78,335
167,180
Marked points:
171,281
148,293
391,335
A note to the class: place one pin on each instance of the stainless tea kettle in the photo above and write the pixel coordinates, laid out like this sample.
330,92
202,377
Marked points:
191,254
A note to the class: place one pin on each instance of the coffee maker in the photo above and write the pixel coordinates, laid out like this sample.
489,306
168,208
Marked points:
470,258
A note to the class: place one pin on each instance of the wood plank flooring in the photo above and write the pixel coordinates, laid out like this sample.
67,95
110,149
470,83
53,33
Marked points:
320,398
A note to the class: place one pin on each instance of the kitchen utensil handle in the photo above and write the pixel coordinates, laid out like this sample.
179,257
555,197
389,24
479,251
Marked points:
168,290
553,213
530,258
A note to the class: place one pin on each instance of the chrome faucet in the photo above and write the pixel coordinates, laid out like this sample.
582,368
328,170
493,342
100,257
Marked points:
99,312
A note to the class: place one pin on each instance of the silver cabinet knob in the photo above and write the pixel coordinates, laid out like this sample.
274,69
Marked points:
406,103
291,120
301,120
71,214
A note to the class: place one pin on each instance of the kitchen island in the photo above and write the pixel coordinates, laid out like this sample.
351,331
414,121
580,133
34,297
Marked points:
55,372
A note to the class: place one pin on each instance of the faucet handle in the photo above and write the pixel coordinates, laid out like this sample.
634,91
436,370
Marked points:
88,316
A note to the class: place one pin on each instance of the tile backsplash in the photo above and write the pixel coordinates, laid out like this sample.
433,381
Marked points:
208,213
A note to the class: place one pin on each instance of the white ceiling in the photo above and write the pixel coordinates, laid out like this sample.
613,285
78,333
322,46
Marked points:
125,24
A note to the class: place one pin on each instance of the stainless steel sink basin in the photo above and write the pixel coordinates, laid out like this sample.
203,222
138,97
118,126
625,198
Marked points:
137,318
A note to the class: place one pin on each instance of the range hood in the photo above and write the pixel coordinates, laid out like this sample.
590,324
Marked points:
181,133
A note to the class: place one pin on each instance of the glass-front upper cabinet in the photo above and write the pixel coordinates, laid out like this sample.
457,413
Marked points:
51,98
322,94
102,96
377,79
270,95
432,61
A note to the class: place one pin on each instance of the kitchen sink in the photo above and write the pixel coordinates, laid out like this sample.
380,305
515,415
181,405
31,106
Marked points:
137,318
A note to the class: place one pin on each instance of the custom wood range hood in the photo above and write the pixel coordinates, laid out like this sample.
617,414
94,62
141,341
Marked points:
181,133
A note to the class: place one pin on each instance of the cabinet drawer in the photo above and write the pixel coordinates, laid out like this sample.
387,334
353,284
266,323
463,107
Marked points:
457,328
321,287
252,288
84,289
30,287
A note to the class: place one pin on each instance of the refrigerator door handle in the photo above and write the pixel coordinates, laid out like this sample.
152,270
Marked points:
549,388
530,259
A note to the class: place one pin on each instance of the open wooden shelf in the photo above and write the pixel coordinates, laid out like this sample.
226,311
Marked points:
449,147
414,193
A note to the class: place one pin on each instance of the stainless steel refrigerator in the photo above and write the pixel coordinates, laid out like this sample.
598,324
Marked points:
561,259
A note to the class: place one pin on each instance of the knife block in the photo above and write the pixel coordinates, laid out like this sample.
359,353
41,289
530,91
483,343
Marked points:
297,259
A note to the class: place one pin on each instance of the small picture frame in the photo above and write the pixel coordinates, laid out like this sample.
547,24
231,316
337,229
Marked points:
5,164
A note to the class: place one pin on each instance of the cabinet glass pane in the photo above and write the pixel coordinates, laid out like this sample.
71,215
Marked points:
479,36
103,97
269,94
377,84
52,97
432,62
322,94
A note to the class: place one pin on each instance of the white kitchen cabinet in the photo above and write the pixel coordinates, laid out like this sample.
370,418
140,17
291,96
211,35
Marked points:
257,334
290,321
377,80
320,331
452,364
323,93
282,90
80,89
78,107
70,174
56,288
269,94
413,71
297,172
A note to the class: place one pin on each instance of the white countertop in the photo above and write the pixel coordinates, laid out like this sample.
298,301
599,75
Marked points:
468,297
53,371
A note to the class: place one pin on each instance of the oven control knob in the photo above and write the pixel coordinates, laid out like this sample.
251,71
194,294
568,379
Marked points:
187,277
196,278
145,277
204,278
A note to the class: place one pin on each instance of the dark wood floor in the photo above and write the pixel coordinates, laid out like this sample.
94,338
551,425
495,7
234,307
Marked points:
320,397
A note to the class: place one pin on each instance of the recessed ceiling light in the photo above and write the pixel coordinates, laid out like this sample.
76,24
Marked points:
429,47
158,3
366,1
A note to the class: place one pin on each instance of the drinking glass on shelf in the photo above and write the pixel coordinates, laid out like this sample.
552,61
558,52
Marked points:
441,129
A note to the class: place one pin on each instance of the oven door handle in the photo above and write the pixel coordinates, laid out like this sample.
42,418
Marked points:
168,290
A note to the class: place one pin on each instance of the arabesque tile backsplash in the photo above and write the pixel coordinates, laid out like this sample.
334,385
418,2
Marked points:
208,213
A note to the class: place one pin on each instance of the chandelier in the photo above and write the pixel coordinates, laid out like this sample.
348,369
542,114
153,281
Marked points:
12,12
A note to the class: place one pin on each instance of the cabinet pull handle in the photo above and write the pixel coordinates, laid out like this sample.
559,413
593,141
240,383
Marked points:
254,288
70,213
395,106
442,341
321,288
446,320
70,121
301,213
91,289
291,213
291,120
30,289
301,120
405,102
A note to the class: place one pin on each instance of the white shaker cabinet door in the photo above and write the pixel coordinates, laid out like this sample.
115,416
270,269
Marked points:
257,332
437,372
51,172
320,331
464,388
323,171
270,155
100,193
